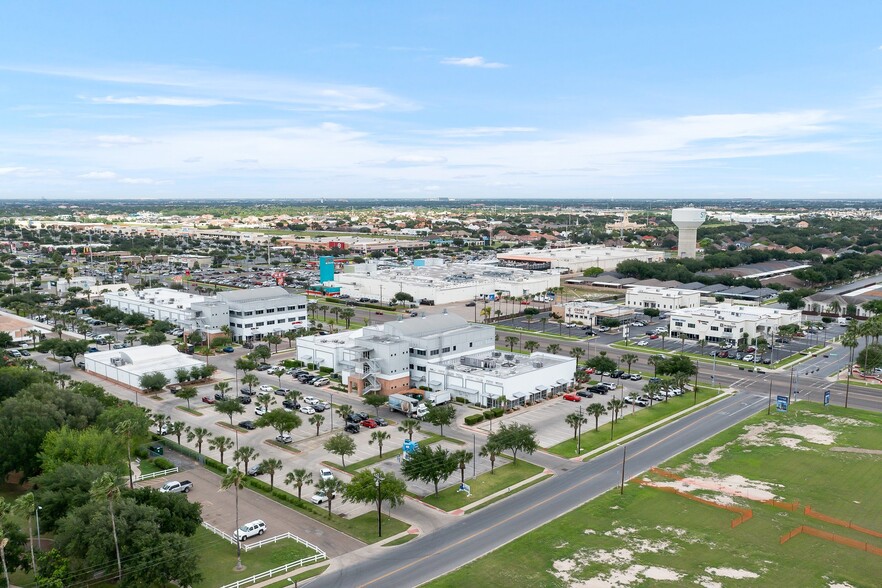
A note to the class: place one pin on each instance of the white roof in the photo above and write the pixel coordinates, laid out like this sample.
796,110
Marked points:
145,359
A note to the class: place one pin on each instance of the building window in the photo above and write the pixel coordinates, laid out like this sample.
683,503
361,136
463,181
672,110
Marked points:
249,325
727,329
270,322
258,312
248,313
421,368
691,325
258,324
715,328
445,350
435,352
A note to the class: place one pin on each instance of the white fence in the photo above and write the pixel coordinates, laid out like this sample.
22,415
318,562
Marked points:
319,555
158,474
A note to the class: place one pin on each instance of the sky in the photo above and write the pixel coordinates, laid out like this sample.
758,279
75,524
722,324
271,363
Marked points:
558,100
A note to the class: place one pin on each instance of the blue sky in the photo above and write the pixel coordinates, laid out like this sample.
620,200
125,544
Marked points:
462,99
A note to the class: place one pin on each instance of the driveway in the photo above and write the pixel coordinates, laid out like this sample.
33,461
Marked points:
218,509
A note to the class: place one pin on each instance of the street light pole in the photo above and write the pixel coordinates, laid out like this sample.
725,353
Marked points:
332,411
378,478
39,508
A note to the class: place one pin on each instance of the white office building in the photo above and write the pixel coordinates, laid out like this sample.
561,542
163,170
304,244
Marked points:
662,298
184,309
395,356
729,323
126,366
592,313
578,258
442,283
495,378
258,312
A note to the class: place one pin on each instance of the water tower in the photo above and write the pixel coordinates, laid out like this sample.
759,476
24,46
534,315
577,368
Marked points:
688,220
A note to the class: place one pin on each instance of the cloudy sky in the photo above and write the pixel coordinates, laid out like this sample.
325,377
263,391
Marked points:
654,99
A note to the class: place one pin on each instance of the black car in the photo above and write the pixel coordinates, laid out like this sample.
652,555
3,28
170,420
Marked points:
24,352
219,396
354,418
244,399
381,421
318,407
291,404
352,428
247,391
598,389
263,367
247,425
617,374
585,394
470,303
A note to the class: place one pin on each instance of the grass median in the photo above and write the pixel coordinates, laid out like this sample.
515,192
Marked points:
628,422
299,577
484,485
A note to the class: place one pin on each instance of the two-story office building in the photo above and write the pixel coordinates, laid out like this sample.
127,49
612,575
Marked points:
258,312
662,298
729,323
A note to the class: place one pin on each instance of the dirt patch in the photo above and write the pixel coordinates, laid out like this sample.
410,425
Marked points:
733,485
711,456
857,450
792,443
732,573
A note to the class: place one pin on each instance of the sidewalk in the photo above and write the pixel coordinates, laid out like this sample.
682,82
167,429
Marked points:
507,491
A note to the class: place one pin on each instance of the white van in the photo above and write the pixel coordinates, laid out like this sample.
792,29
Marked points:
250,530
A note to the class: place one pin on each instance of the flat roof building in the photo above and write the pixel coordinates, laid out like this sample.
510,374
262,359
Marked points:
442,283
662,298
258,312
578,258
729,323
592,313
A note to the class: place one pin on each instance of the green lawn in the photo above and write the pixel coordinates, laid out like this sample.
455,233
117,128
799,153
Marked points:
218,558
401,540
299,577
628,423
387,454
484,485
684,541
148,467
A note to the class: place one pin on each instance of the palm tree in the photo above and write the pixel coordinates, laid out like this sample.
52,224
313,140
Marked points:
220,444
347,314
630,358
317,420
553,349
343,411
178,428
266,399
379,437
271,466
126,429
298,478
200,434
486,312
490,450
24,507
409,426
531,346
331,487
615,405
654,361
222,388
250,380
511,341
34,334
577,352
236,479
463,457
651,389
575,421
244,455
106,487
596,410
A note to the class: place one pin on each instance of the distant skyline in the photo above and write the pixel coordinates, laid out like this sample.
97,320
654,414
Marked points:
639,99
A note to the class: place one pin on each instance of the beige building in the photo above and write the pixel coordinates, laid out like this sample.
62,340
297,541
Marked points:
592,313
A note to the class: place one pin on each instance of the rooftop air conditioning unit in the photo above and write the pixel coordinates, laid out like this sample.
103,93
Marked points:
497,354
509,356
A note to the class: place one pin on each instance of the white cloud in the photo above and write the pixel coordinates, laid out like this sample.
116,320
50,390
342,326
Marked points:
469,132
159,101
7,171
108,141
476,61
143,181
209,87
411,160
98,175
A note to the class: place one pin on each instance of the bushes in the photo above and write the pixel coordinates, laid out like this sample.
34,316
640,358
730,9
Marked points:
163,463
325,370
292,363
461,400
310,366
140,453
474,419
488,414
497,412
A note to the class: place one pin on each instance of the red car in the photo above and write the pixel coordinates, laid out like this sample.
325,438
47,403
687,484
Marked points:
589,370
369,424
572,398
208,400
653,336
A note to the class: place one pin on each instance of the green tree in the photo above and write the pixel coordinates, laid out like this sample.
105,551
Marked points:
375,487
374,400
331,487
245,455
629,359
511,341
601,365
341,445
229,408
178,428
490,450
106,488
250,380
462,457
154,382
651,313
298,478
200,434
553,349
220,444
265,399
274,340
430,465
577,353
317,420
24,507
270,466
153,338
379,437
531,345
279,419
575,420
515,437
409,426
187,393
441,415
236,479
91,446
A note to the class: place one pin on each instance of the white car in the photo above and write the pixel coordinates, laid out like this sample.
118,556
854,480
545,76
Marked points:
284,438
260,410
310,400
748,357
266,388
251,529
642,343
307,409
320,497
326,474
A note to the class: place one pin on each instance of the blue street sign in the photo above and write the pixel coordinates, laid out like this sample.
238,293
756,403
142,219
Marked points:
826,397
781,403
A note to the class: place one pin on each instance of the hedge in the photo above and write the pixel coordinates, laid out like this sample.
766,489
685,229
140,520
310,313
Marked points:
310,366
163,463
325,369
292,363
474,419
461,400
488,414
497,412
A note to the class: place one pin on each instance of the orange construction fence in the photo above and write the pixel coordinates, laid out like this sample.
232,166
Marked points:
744,514
833,520
848,542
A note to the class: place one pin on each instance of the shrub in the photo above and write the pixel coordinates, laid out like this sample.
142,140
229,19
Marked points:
325,370
474,419
488,414
140,453
163,463
497,412
461,400
310,366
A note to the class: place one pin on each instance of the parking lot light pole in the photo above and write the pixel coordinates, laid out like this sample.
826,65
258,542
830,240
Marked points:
378,478
38,509
332,411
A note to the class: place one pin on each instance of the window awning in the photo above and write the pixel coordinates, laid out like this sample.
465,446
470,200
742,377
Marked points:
541,388
520,394
563,381
493,395
435,382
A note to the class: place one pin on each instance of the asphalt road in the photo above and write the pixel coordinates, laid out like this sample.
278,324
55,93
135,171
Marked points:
479,533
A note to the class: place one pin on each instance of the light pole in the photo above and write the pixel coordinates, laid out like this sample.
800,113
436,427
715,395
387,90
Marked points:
39,545
579,450
332,411
378,478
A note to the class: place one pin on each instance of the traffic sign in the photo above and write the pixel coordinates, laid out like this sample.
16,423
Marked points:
826,397
781,403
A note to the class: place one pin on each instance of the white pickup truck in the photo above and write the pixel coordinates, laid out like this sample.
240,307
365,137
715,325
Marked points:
175,486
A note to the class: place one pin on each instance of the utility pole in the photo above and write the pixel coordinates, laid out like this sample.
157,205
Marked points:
624,455
769,411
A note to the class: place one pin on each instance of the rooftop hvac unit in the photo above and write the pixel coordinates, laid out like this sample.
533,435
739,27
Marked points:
509,356
116,361
497,354
538,364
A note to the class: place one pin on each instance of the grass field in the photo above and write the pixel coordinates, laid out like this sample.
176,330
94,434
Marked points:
484,485
401,540
628,423
299,577
218,558
650,537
